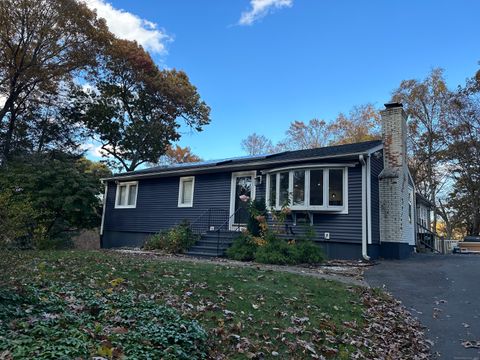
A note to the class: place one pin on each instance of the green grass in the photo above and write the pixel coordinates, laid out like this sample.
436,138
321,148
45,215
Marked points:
245,311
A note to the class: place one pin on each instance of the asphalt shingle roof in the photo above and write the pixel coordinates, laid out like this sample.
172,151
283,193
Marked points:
323,152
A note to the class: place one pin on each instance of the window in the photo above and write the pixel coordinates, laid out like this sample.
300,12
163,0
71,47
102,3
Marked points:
185,193
309,189
126,195
335,187
283,198
298,187
410,206
273,191
316,187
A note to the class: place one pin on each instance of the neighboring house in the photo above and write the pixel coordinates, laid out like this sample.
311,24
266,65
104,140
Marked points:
359,198
425,233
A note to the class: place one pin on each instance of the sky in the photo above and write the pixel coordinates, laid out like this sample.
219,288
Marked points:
261,64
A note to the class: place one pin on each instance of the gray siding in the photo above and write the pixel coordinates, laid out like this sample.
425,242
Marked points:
376,164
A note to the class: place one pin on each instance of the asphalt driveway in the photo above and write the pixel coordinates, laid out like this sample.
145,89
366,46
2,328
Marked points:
443,291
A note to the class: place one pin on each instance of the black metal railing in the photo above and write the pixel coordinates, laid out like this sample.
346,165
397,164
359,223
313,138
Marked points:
209,220
229,225
427,238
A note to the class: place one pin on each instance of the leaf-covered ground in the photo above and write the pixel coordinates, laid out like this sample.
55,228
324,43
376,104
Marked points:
102,302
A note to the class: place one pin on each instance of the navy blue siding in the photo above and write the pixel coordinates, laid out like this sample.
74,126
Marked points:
157,209
376,167
157,203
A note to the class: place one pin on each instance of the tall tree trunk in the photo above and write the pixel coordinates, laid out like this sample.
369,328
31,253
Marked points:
10,130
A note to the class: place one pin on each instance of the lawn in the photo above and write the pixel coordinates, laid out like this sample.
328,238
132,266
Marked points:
79,304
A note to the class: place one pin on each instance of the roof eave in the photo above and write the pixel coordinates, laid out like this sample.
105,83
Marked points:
207,169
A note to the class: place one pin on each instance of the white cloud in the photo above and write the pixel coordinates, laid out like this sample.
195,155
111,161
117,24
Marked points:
93,150
260,8
129,26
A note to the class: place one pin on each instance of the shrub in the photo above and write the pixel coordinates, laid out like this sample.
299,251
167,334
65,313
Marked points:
309,252
176,240
256,210
277,251
243,248
282,252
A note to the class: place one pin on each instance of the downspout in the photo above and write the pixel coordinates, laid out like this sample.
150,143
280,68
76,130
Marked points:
103,212
361,158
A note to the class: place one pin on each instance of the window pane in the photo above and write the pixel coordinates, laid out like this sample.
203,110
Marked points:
187,192
273,190
335,190
283,200
316,187
299,187
122,195
132,195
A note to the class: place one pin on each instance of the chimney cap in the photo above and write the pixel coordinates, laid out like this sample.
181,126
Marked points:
392,105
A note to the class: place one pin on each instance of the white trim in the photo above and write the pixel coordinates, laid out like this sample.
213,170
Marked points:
233,186
309,166
364,209
375,149
180,191
127,195
307,207
104,206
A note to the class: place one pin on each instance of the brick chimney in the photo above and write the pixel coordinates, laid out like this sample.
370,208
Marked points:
395,226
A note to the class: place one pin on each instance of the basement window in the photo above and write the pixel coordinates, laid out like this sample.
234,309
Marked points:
126,196
310,189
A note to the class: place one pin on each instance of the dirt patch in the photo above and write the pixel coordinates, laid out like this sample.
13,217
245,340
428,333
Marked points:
87,240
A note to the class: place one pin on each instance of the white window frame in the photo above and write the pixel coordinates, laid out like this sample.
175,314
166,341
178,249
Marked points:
180,191
410,205
326,207
128,187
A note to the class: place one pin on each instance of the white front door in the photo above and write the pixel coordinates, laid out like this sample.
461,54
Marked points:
243,185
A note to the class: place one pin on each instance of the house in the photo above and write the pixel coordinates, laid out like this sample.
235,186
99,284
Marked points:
425,233
359,198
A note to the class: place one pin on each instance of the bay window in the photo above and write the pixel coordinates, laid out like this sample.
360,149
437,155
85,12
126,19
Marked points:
314,189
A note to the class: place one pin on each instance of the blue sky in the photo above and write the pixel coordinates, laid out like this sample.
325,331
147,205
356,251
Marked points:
303,59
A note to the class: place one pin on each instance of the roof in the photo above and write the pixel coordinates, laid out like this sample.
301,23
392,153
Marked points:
423,199
258,160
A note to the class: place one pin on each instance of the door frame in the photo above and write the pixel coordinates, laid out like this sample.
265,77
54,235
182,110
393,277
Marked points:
253,175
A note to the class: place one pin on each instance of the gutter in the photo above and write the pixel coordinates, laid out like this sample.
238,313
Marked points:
365,226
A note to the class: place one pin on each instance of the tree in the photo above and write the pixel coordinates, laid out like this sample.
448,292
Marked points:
256,144
464,157
49,197
362,124
178,155
427,104
316,133
134,108
43,43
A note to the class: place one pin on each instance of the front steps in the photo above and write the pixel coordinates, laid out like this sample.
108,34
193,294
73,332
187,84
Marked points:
213,244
